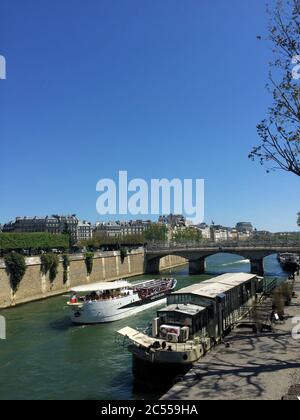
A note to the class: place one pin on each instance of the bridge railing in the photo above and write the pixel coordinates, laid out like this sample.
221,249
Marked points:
225,244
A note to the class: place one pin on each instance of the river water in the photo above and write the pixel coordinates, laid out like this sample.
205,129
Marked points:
46,357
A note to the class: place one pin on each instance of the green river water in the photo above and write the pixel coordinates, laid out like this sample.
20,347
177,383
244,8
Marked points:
46,357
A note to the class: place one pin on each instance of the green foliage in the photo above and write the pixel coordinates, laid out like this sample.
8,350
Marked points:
187,235
66,261
278,302
99,241
279,132
156,233
50,263
66,265
282,297
18,241
123,254
286,237
16,267
67,232
286,290
89,261
276,238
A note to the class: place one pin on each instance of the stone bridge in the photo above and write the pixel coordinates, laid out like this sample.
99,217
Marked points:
196,255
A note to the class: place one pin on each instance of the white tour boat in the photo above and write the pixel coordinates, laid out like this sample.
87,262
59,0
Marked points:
105,302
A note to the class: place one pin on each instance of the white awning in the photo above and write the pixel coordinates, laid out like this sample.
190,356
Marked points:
137,337
95,287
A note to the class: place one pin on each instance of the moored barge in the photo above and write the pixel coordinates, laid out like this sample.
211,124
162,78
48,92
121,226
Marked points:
289,262
194,320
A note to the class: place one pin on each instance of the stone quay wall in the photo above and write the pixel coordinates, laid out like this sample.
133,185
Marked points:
107,266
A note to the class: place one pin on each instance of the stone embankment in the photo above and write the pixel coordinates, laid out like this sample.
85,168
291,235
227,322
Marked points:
107,266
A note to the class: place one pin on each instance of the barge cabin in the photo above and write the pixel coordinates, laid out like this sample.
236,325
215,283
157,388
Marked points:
217,304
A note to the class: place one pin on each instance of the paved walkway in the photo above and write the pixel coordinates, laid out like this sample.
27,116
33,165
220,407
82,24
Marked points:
261,367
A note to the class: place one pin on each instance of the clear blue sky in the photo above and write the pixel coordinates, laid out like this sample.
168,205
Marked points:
161,88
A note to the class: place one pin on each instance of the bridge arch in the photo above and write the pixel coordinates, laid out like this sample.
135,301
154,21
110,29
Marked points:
228,261
153,263
267,262
196,257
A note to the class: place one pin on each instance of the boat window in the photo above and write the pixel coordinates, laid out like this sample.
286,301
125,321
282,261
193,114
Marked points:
197,323
248,288
163,318
176,318
211,312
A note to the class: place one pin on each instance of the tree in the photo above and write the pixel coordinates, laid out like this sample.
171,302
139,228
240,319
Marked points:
279,132
101,240
89,262
20,241
67,231
187,235
156,233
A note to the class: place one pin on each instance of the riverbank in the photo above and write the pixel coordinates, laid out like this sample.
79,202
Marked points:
254,367
107,266
104,368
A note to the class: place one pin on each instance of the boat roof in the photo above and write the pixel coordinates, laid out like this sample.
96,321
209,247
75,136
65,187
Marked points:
187,309
101,286
217,285
138,337
145,341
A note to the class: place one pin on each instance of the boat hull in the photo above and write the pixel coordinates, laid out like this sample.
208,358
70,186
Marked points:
179,356
94,313
110,309
290,267
289,262
156,376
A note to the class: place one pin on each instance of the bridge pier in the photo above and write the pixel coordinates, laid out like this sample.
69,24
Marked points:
197,266
152,266
257,266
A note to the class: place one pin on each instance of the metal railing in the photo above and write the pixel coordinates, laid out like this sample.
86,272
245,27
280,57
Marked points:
270,244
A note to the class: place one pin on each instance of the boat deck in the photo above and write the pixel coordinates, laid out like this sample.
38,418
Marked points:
144,340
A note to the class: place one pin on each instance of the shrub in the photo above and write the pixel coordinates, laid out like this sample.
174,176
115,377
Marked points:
123,254
16,267
287,293
278,302
50,263
66,265
89,261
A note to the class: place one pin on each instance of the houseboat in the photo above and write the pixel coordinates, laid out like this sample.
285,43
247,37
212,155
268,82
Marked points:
111,301
194,320
289,262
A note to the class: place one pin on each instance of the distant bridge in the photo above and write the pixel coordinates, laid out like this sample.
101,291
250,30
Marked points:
196,254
